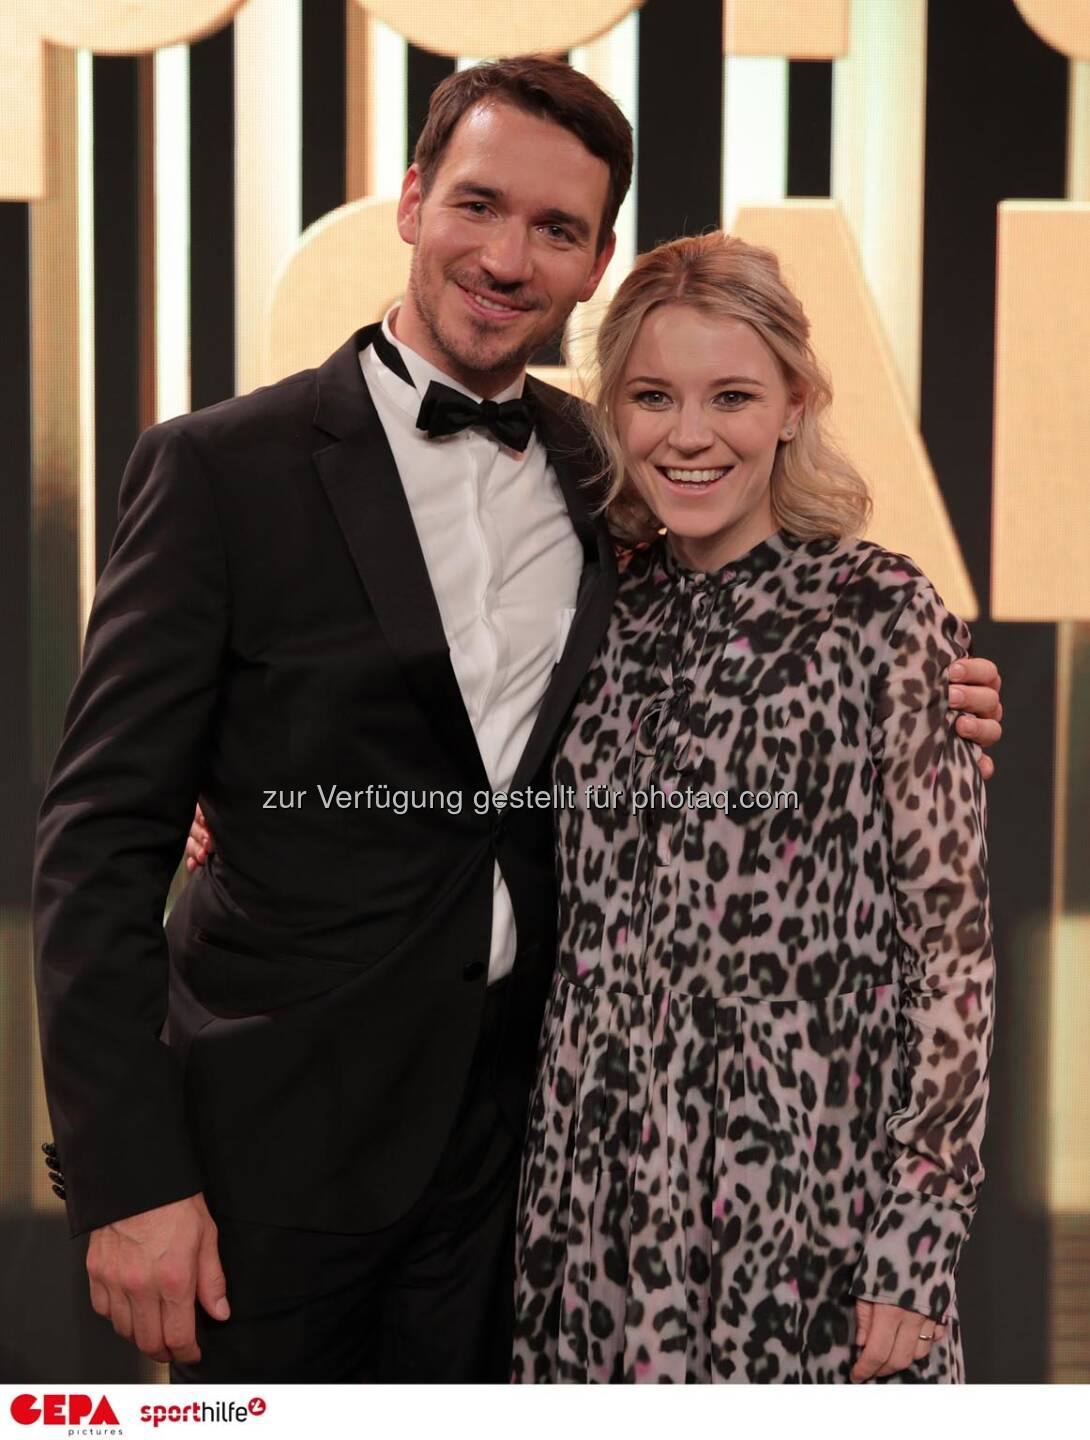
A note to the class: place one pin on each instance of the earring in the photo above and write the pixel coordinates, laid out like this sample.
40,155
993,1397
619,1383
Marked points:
789,433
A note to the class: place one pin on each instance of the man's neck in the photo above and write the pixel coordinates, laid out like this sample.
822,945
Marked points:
409,329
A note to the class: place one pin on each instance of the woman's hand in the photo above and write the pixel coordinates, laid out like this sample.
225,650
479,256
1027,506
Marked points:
200,843
891,1339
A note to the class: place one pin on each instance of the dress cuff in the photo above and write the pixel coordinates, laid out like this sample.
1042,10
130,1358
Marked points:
910,1256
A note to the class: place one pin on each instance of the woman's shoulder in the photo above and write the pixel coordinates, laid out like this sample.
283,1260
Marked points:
877,591
640,565
864,568
893,612
865,561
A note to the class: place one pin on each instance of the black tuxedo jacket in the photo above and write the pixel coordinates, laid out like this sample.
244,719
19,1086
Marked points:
266,623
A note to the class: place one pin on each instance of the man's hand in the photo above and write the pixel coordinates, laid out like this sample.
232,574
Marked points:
889,1339
974,688
145,1271
200,843
976,691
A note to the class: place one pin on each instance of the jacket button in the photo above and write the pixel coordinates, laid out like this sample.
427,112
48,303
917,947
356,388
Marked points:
474,970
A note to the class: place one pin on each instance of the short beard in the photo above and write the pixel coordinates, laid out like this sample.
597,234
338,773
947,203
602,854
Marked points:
516,358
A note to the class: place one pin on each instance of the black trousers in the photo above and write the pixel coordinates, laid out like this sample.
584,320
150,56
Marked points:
427,1299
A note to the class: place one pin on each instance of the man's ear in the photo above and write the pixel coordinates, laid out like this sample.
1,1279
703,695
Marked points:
408,207
595,276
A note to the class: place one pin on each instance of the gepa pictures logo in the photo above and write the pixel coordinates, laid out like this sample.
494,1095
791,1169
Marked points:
71,1410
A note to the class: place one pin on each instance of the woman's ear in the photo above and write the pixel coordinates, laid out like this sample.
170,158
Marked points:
794,415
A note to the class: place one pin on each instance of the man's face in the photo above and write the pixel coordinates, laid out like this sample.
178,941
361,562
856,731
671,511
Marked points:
505,244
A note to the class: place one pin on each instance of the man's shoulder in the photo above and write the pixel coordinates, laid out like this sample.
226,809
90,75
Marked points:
564,408
270,412
565,425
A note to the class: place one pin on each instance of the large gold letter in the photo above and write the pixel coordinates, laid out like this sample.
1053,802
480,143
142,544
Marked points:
113,27
1063,24
871,413
346,269
496,27
799,29
1041,568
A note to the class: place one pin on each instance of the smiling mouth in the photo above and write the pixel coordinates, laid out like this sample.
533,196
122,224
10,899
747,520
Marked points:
692,479
489,305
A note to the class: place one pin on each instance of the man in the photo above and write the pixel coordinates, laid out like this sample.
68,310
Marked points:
341,611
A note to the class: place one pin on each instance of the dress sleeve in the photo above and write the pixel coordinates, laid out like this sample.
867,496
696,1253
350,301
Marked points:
936,864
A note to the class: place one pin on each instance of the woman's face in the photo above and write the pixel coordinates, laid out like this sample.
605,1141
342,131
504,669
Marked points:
701,408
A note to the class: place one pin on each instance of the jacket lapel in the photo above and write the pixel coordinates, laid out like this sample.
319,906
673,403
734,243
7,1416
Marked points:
357,469
566,440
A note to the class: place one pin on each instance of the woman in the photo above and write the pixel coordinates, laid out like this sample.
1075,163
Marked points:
754,1145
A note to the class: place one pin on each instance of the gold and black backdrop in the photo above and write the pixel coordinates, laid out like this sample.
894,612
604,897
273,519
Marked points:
197,196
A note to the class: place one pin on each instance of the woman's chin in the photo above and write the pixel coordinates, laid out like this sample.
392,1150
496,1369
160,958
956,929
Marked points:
692,527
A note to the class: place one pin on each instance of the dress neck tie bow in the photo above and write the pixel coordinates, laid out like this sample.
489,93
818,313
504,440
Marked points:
446,411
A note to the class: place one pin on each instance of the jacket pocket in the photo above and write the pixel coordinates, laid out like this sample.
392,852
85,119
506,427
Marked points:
233,980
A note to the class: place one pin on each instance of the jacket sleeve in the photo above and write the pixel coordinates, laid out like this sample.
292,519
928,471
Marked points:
111,833
937,866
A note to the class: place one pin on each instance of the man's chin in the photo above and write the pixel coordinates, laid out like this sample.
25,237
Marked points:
487,353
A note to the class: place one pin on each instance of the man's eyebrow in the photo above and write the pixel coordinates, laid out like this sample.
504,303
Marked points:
479,192
470,189
564,217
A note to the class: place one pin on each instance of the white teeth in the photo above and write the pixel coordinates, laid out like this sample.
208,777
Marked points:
494,305
695,477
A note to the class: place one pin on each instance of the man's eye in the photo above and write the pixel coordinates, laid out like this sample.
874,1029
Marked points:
557,232
478,207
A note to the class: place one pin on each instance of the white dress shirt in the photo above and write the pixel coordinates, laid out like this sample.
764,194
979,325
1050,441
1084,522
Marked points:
504,564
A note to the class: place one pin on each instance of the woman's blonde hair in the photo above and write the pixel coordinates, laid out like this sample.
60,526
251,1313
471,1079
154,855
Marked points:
815,490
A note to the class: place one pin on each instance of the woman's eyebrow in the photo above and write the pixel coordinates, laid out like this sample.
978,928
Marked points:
723,380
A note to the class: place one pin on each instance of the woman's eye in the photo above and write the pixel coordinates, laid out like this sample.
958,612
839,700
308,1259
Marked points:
734,398
652,398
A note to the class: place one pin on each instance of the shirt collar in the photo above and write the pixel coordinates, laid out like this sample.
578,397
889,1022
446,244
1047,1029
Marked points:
765,555
424,372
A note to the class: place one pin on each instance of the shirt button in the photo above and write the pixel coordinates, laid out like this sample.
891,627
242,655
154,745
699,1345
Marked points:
474,970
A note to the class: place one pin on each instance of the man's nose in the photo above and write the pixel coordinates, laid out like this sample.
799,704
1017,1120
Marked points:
506,257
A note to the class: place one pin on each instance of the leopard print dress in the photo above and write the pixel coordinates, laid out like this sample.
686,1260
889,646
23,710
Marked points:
763,1071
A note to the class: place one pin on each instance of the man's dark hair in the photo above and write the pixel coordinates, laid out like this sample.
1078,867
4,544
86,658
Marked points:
543,87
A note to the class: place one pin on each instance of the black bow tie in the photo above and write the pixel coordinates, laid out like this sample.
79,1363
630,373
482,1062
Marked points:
446,411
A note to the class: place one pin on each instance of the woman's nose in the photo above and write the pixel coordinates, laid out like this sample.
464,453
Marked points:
690,431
